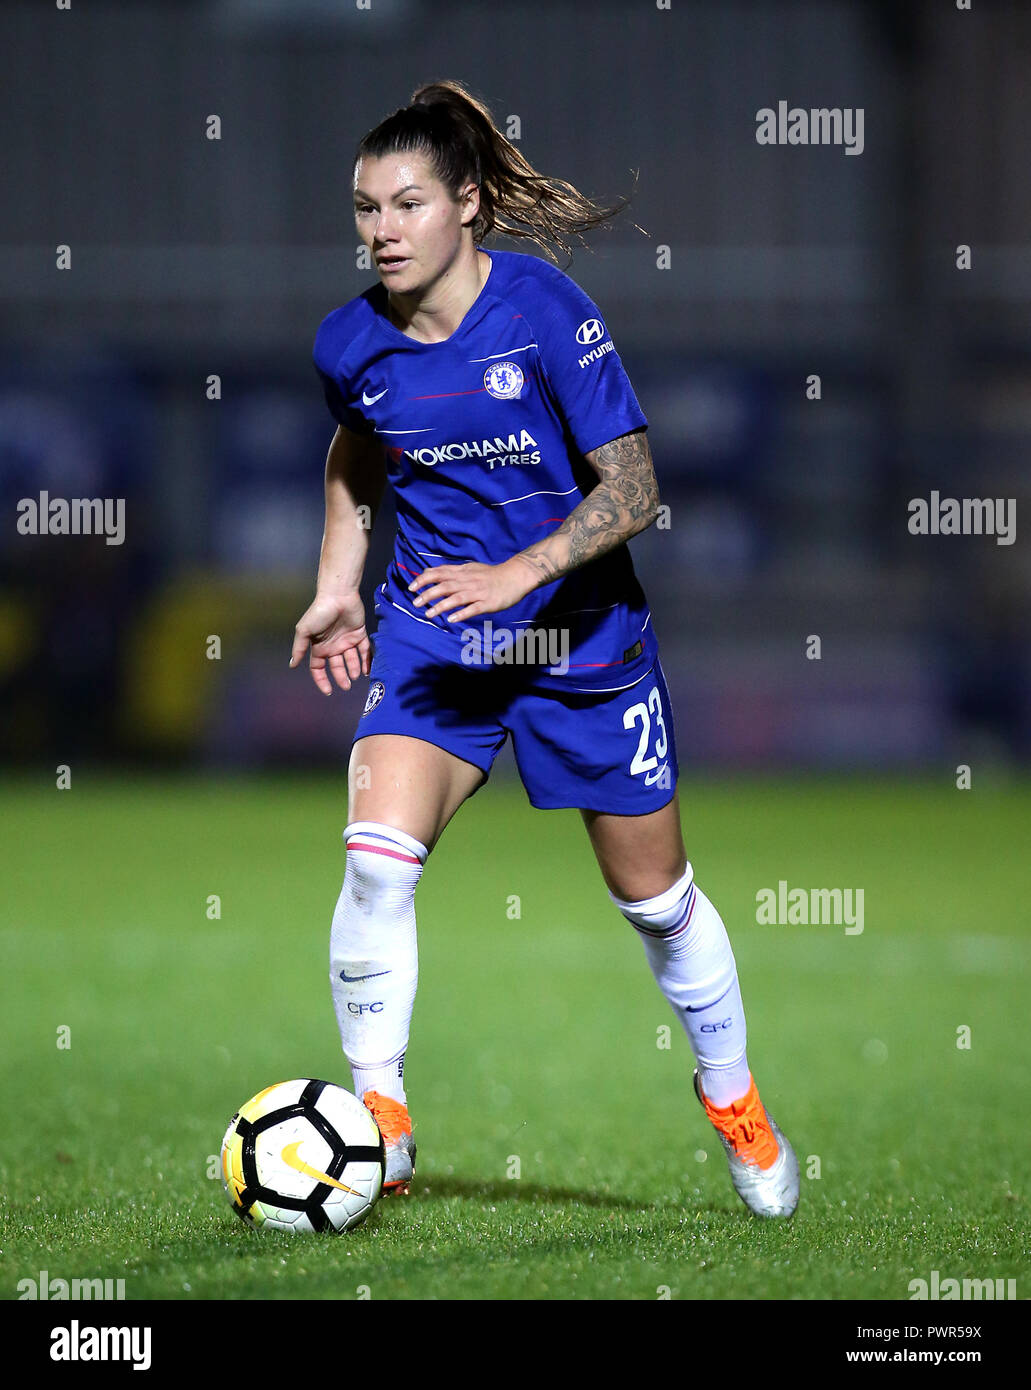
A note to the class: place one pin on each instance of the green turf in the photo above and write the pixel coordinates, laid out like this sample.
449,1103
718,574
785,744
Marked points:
534,1039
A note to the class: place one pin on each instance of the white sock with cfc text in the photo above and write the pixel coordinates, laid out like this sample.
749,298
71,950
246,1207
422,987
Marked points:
690,956
373,954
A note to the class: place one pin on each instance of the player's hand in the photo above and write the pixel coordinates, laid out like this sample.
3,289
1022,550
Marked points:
470,589
334,629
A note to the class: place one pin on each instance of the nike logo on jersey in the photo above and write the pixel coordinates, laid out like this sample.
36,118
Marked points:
650,778
353,979
371,400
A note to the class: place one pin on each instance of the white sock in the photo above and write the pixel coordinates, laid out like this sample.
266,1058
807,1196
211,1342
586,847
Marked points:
373,955
690,956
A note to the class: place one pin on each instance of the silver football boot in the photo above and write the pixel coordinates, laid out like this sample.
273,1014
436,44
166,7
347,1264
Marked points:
400,1165
766,1191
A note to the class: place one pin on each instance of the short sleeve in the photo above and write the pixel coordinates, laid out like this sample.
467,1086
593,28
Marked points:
341,405
582,367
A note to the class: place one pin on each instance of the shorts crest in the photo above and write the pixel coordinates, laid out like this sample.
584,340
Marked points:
376,692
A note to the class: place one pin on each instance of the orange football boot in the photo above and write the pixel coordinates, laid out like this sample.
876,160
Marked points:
395,1124
763,1166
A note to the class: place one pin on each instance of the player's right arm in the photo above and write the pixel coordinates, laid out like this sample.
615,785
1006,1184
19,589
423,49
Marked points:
334,625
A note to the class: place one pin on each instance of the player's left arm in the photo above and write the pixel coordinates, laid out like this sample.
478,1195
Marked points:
624,502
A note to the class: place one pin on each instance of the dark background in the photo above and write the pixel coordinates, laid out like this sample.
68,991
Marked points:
193,257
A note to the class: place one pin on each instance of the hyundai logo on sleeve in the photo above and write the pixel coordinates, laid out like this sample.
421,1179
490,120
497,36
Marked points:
590,331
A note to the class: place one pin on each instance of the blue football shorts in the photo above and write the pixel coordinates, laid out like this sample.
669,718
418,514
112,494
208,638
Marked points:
612,751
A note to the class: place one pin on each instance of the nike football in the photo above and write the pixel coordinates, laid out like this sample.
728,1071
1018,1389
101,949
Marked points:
303,1156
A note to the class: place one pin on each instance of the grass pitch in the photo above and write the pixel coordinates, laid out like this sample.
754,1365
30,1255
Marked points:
135,1023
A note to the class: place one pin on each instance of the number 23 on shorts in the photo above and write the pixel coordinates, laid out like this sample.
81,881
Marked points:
646,712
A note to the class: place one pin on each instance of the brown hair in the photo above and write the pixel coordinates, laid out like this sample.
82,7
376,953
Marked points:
458,136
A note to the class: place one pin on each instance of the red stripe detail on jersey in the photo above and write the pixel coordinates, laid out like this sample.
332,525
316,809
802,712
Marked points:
378,849
444,395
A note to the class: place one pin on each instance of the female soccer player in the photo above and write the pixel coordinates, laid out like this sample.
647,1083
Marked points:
485,386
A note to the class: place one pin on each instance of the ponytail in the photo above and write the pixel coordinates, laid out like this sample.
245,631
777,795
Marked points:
458,136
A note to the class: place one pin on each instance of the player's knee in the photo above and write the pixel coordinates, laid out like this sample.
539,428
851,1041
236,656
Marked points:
383,866
661,911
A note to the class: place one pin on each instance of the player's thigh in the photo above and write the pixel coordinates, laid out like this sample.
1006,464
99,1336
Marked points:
639,856
408,783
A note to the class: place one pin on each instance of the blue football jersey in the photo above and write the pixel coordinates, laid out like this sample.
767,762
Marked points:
485,434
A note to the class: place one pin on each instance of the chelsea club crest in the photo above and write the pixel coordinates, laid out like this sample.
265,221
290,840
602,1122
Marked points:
376,692
503,380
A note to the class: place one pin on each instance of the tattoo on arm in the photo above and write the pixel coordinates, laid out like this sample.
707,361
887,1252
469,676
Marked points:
625,501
